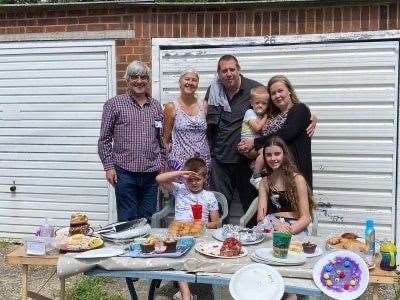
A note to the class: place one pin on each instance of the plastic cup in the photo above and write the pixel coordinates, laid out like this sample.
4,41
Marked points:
280,244
197,211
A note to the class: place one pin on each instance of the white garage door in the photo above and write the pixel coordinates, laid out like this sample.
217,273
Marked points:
352,87
51,102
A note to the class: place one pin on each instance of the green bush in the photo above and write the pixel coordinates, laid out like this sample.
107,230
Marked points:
91,288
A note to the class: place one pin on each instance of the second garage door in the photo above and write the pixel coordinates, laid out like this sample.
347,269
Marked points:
52,95
352,87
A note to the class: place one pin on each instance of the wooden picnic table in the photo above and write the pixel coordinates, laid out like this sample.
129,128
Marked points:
19,257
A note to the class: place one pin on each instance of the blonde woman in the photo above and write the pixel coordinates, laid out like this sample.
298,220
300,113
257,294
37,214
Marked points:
185,125
290,120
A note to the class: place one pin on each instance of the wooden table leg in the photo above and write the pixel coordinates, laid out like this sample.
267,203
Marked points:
24,282
62,288
375,295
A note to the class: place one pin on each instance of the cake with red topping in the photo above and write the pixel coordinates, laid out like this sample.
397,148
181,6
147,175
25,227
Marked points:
231,247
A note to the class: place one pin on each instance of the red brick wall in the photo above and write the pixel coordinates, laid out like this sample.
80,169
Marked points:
149,23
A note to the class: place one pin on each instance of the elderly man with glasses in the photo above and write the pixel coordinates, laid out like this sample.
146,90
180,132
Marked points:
130,147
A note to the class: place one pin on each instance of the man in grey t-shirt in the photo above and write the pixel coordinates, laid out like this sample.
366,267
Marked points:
228,100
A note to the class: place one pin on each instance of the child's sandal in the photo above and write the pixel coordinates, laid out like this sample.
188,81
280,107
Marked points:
178,296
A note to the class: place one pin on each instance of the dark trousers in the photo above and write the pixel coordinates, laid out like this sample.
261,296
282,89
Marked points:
136,197
226,177
136,194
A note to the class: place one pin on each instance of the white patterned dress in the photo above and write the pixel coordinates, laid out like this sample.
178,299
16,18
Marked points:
188,138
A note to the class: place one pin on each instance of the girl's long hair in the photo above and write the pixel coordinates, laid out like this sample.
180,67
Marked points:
289,172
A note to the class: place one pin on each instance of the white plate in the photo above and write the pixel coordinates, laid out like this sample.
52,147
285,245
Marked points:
217,234
345,295
254,258
318,251
128,234
293,258
256,282
100,253
212,249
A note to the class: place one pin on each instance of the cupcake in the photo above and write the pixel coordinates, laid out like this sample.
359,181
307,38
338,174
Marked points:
160,247
309,248
147,247
170,243
148,244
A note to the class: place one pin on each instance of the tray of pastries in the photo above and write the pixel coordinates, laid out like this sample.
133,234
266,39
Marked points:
179,228
348,241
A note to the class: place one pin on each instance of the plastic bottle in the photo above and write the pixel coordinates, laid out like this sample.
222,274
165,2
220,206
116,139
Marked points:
370,239
46,230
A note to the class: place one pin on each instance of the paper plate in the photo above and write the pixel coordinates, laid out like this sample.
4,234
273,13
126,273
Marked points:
212,249
293,258
256,282
318,252
334,259
100,253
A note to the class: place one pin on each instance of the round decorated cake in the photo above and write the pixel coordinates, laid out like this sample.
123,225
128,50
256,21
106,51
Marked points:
341,274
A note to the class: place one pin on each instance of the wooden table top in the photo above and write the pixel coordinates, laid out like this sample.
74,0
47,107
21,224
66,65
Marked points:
19,257
377,275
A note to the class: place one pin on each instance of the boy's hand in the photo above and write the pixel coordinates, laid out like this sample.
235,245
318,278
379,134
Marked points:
190,174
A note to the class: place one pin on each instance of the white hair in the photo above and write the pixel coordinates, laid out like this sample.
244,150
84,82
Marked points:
187,71
137,68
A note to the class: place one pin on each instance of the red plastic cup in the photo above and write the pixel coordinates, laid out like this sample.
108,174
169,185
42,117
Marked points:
197,211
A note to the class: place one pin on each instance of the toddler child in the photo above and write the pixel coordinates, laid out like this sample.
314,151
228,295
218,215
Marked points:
255,118
253,122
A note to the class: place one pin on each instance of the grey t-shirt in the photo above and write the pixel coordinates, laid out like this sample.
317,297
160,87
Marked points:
225,127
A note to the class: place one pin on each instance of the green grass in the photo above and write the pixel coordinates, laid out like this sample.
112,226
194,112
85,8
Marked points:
91,288
4,244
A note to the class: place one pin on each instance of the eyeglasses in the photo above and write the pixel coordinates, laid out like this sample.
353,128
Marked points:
137,77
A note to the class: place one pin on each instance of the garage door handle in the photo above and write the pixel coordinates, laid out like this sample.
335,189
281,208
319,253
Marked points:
13,188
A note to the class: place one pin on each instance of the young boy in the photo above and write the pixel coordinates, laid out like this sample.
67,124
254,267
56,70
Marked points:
253,122
190,192
254,119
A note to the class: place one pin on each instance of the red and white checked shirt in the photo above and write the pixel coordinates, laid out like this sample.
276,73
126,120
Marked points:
128,135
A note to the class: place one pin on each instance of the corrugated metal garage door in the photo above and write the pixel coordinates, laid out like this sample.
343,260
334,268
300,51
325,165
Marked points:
51,97
352,87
